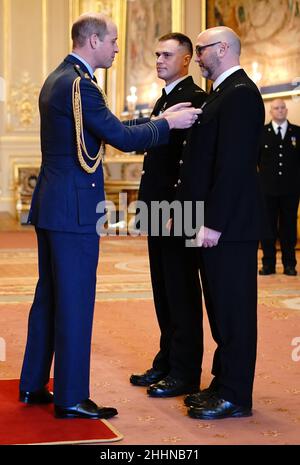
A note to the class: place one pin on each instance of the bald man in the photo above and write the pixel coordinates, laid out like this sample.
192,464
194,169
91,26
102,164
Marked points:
220,159
279,168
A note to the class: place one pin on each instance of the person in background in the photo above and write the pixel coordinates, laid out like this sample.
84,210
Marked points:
279,171
176,368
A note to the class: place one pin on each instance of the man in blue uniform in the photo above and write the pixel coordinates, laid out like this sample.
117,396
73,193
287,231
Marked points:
279,170
75,123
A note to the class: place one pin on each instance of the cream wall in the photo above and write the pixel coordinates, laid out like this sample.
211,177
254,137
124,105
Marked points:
34,39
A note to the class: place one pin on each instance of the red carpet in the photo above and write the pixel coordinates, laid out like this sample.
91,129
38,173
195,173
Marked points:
26,424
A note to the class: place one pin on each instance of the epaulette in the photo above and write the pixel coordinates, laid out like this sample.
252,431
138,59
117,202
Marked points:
81,73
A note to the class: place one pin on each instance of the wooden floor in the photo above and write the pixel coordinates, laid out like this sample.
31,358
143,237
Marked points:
10,223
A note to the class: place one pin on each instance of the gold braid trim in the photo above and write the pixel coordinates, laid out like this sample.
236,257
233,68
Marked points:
80,142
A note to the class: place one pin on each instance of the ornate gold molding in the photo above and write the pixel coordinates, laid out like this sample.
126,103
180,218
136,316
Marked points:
23,104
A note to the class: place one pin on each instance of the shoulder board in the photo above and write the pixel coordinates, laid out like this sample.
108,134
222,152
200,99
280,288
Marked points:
81,73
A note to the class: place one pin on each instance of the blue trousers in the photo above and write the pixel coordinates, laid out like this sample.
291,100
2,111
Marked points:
61,316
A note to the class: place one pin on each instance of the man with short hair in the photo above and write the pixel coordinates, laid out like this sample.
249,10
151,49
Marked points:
220,168
176,367
75,123
279,170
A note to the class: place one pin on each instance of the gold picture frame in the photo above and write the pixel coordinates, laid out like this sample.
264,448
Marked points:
270,33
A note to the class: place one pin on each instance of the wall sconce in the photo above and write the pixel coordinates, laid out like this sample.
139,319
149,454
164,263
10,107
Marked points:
131,100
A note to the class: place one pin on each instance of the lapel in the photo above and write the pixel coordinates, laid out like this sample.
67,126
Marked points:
228,82
164,102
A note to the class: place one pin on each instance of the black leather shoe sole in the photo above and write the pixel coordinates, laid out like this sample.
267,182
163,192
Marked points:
146,379
290,272
266,271
202,414
196,400
43,396
156,391
102,412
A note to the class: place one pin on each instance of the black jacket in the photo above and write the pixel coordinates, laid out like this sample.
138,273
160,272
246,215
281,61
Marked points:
279,163
221,156
161,164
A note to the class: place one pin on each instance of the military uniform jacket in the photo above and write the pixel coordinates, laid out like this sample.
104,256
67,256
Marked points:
220,159
279,163
161,164
66,196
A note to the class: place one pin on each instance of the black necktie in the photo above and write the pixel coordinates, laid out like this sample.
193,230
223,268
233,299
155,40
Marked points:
279,134
160,103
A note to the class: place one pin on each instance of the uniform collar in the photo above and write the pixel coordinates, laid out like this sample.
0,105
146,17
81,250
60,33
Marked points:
173,84
86,64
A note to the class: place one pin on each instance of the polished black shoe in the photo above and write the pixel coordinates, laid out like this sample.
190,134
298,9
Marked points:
171,387
85,409
216,408
197,399
42,396
149,377
265,270
290,271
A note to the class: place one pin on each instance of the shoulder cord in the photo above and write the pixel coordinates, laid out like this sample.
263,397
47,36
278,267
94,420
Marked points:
80,142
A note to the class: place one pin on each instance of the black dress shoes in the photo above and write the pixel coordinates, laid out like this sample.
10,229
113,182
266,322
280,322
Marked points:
265,270
149,377
216,408
42,396
85,409
290,271
196,400
171,387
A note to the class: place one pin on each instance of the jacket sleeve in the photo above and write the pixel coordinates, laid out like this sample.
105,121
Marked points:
103,124
239,135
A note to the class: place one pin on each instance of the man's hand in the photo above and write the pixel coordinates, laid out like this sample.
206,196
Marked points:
207,237
182,119
177,107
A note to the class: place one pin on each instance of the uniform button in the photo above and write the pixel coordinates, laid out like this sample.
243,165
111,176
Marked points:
93,184
280,155
180,162
184,142
143,172
280,164
175,185
280,173
266,146
145,153
179,181
280,146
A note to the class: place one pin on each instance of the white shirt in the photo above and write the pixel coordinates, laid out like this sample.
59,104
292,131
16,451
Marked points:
225,75
283,126
171,86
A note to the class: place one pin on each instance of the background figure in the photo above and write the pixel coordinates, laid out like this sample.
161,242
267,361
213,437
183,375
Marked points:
63,210
174,271
220,168
279,169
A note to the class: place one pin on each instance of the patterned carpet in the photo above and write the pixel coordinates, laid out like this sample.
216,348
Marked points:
125,338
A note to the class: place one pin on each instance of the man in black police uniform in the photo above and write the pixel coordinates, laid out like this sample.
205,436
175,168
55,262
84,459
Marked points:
175,279
279,168
220,168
